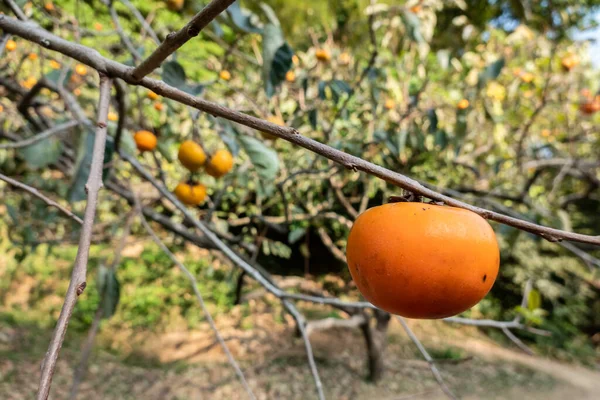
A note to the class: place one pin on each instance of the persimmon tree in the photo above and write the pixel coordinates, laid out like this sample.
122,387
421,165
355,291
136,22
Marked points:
307,139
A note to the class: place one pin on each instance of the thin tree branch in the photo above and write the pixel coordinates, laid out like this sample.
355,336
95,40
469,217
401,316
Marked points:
78,276
136,13
16,9
39,195
427,357
199,297
86,350
177,39
40,136
122,105
124,38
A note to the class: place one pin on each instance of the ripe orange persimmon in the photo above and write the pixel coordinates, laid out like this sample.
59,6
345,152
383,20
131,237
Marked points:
145,140
389,104
527,77
191,155
11,45
192,195
322,55
80,69
32,56
463,104
49,6
112,116
175,5
98,26
274,120
569,62
151,95
421,260
590,107
220,163
225,75
54,64
290,76
158,106
344,59
295,59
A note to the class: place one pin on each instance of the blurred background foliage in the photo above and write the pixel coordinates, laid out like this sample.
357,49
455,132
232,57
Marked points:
469,96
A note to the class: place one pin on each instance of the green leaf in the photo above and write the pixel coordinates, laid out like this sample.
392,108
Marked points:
295,235
42,153
109,290
433,120
264,158
243,19
312,118
441,139
413,26
534,300
277,58
54,75
164,148
491,72
339,87
173,74
228,136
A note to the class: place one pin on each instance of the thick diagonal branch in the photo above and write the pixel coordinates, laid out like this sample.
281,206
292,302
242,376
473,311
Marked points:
177,39
78,276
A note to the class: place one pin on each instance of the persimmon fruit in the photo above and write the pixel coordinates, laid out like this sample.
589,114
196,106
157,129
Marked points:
463,104
192,195
225,75
191,155
145,140
422,260
175,5
151,95
389,104
11,45
323,55
290,76
220,163
590,107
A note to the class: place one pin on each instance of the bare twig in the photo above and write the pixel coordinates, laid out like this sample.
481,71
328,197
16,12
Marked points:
16,9
177,39
78,276
39,195
40,136
198,294
113,68
122,35
136,13
427,357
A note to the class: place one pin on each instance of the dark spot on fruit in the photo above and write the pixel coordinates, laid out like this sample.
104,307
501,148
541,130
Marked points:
424,209
484,277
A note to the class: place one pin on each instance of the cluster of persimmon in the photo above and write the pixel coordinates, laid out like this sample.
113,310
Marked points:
192,156
590,104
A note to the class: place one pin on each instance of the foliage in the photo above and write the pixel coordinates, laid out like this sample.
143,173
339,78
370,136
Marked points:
498,148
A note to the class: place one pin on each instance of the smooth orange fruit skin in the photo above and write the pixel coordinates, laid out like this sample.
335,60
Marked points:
191,155
590,107
192,195
220,163
11,45
80,69
322,55
225,75
145,140
463,104
151,95
423,261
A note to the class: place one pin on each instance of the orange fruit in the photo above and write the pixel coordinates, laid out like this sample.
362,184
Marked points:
145,140
322,55
295,59
112,116
29,82
225,75
569,62
54,64
464,103
11,45
344,59
32,56
389,104
158,106
192,195
49,6
77,92
274,120
290,76
590,107
151,95
415,9
546,133
1,108
586,93
175,5
421,260
191,155
98,26
80,69
220,163
527,77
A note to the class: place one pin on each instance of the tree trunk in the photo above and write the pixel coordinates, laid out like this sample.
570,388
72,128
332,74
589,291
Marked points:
375,339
